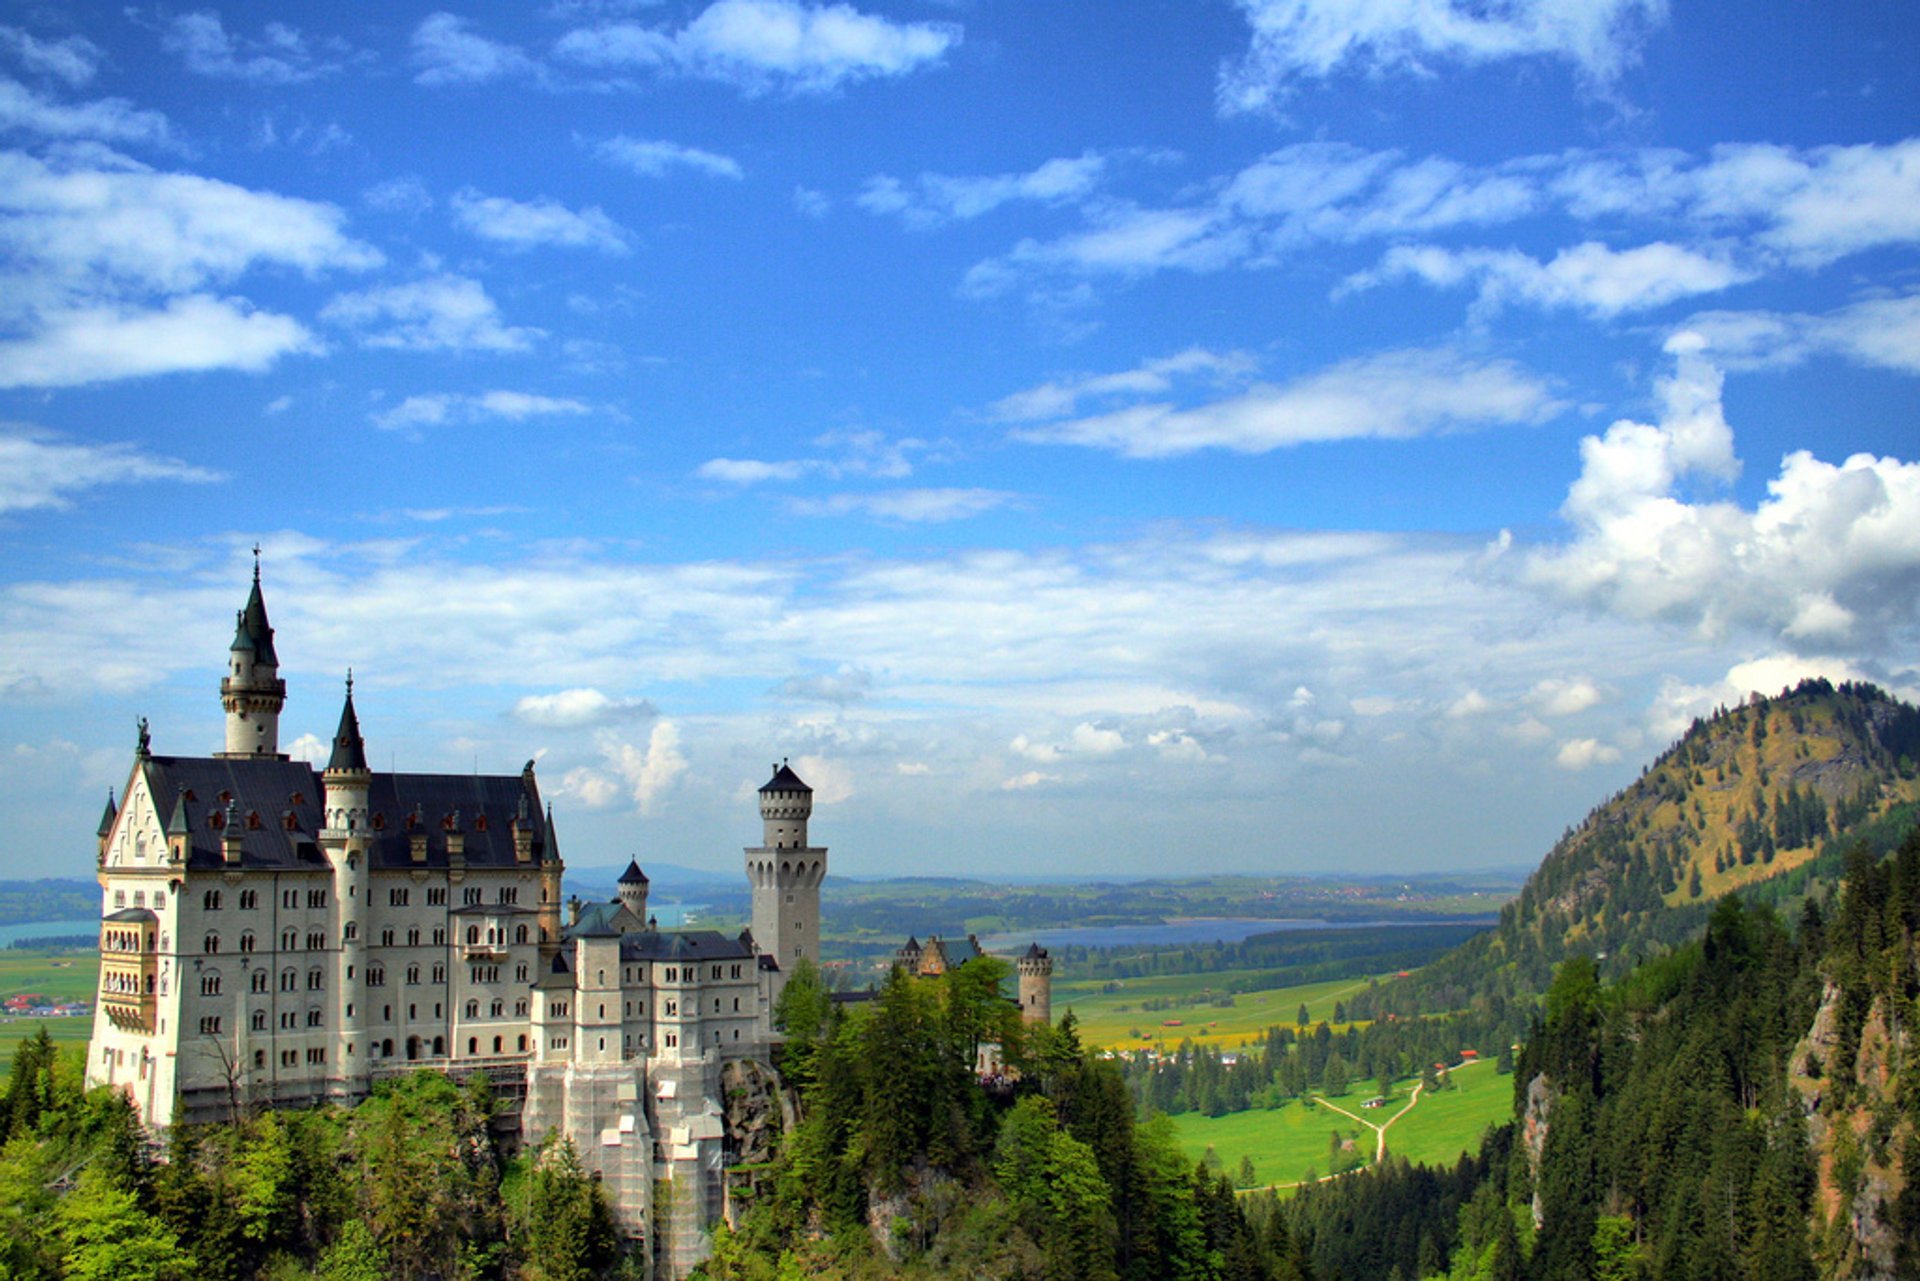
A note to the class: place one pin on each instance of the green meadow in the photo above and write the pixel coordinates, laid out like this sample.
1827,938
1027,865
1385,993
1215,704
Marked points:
62,976
1291,1142
1117,1019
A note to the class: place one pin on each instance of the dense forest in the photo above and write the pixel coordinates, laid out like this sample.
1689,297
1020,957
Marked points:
412,1185
905,1165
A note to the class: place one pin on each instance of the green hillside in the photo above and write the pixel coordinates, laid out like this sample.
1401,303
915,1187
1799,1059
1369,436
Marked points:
1763,798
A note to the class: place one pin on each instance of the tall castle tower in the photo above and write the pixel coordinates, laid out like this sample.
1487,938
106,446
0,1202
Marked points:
1036,984
252,692
344,834
786,872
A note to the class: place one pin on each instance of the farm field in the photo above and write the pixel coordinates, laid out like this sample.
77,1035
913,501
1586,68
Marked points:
1113,1020
63,976
1288,1142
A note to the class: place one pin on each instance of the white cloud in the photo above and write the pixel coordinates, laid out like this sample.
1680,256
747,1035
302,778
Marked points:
831,780
590,787
1584,753
280,55
1393,395
399,195
1589,277
524,224
844,687
438,408
110,119
42,471
79,345
936,198
765,45
1061,397
653,158
1832,554
574,708
1471,703
440,313
810,203
1817,205
1557,696
1301,39
447,53
310,748
1883,332
913,506
1030,779
750,471
649,771
73,59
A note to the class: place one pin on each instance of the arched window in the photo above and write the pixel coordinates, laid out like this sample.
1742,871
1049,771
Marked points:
289,938
246,941
473,934
212,943
210,901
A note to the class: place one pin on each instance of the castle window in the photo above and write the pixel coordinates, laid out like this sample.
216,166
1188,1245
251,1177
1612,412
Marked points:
480,825
246,941
672,1040
522,1047
520,934
259,1059
379,822
259,980
673,974
289,981
288,939
210,1025
253,820
351,932
316,941
439,973
436,896
289,822
440,936
520,1011
210,901
313,1018
289,898
159,900
119,898
211,943
520,972
736,971
736,1005
673,1007
472,895
316,898
259,1020
473,1045
473,1009
496,1045
249,899
316,1056
498,1008
376,976
386,938
396,898
473,934
209,985
413,937
316,979
413,975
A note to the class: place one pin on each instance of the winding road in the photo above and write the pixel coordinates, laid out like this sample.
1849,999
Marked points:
1379,1130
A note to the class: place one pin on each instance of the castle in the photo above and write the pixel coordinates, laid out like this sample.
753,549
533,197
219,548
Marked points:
276,936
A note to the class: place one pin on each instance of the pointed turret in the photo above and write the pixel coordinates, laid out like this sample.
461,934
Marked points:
349,750
633,890
252,692
106,819
347,778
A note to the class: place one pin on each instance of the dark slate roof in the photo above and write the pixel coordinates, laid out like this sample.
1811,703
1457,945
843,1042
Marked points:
785,780
106,819
633,875
956,954
1035,952
602,920
266,789
349,749
252,631
683,945
128,915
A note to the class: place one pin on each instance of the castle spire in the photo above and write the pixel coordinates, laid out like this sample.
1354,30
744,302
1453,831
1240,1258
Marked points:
106,819
252,692
349,751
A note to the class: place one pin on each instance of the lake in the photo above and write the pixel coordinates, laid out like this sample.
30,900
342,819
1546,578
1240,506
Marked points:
48,929
1221,929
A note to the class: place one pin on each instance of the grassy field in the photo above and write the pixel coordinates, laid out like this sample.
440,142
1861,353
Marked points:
1116,1019
63,976
1290,1142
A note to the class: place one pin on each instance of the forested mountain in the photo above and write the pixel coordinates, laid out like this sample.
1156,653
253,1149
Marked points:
1743,1108
1763,798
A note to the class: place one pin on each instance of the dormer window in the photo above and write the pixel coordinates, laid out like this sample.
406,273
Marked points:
379,822
480,823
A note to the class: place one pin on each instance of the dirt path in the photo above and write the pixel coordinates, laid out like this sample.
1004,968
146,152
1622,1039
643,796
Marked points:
1379,1130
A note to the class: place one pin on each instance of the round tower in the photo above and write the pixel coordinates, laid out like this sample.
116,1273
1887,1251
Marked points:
345,838
785,872
347,778
1036,984
252,692
633,891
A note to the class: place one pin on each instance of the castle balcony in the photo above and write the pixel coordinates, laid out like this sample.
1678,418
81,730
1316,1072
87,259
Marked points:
484,950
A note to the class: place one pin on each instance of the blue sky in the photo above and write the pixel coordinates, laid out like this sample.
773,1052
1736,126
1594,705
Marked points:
1145,437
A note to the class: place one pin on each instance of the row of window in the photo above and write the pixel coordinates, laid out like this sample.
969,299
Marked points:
212,900
140,899
289,941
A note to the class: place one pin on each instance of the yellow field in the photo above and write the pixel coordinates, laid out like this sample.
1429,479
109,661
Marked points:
1119,1019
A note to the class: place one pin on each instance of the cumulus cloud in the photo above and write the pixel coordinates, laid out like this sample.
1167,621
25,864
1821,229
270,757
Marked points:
1588,277
1830,556
1393,395
40,470
1294,40
441,408
1471,703
761,46
440,313
527,224
654,158
932,198
1585,753
280,55
650,771
844,687
909,506
1030,779
575,708
1558,696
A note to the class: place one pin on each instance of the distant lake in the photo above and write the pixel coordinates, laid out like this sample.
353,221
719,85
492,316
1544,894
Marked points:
1223,929
48,929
